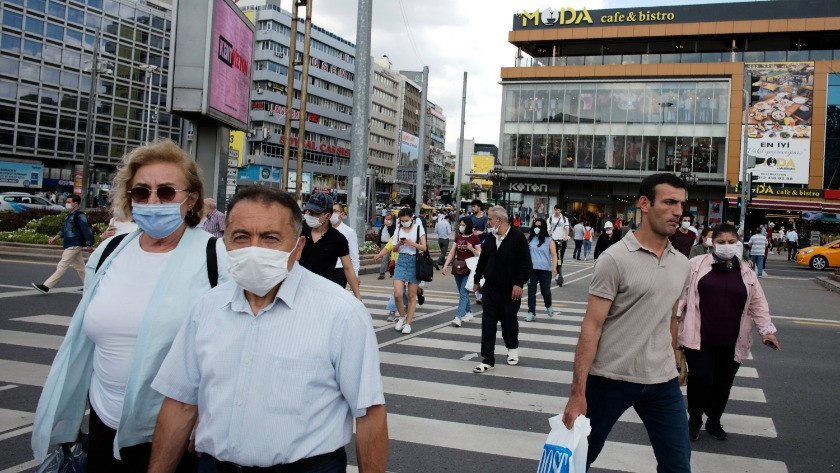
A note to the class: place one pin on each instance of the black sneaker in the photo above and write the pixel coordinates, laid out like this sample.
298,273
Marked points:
716,431
420,297
436,266
381,276
694,430
41,287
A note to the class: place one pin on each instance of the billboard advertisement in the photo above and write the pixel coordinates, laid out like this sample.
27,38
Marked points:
482,164
779,123
21,175
409,148
230,64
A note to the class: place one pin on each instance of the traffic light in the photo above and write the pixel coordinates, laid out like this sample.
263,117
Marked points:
739,202
755,86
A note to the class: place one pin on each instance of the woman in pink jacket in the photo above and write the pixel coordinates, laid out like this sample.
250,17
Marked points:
723,294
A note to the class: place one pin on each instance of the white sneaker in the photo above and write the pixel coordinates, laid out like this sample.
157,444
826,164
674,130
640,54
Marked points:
399,325
513,357
456,322
467,317
406,328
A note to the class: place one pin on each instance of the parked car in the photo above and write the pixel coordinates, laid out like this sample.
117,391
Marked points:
17,201
820,257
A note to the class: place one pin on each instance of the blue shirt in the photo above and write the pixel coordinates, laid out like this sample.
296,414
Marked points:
540,255
279,386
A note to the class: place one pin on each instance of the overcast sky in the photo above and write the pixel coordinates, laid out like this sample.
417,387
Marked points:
452,36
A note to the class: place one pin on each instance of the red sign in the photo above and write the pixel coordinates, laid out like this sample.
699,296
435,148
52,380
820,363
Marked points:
322,147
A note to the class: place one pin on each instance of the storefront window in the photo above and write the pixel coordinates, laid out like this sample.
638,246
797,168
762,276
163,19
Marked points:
831,179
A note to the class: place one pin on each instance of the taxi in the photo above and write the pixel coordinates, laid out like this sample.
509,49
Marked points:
820,257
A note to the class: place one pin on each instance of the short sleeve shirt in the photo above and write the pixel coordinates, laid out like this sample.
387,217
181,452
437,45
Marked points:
462,250
635,344
320,257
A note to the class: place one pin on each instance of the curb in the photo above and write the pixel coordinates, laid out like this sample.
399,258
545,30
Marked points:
829,283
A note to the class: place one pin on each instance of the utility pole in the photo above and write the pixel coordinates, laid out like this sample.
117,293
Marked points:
290,98
357,194
94,70
304,82
459,156
424,148
744,155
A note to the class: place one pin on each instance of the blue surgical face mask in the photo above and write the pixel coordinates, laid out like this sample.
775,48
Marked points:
158,220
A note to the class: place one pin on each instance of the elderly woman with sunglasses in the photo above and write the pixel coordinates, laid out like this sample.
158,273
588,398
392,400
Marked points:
135,299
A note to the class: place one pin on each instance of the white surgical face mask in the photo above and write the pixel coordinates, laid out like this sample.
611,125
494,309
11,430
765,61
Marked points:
492,230
537,230
609,231
335,218
726,251
708,242
257,269
406,224
68,206
462,228
685,225
312,220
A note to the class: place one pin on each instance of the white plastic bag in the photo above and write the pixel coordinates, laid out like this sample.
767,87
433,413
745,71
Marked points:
472,263
565,450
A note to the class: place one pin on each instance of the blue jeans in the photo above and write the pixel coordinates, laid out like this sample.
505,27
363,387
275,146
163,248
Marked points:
578,248
587,247
392,304
661,408
758,262
463,295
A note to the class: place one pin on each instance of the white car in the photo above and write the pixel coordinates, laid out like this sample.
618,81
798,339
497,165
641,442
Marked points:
18,201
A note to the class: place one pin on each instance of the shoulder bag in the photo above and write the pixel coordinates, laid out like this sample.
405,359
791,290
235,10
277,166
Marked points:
425,268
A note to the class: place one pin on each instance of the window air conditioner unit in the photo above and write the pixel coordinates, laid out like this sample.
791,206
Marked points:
279,54
259,90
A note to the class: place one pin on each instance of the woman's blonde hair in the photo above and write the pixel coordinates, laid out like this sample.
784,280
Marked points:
163,151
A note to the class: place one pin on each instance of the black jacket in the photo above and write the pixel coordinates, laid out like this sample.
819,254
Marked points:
605,241
506,266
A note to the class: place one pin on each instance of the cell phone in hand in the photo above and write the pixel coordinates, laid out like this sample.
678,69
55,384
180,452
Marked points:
402,239
770,344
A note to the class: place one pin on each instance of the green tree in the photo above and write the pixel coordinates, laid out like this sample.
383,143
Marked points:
466,191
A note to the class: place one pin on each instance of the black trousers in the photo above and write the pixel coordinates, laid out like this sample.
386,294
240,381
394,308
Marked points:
543,278
340,278
711,372
134,459
561,247
792,248
497,308
444,249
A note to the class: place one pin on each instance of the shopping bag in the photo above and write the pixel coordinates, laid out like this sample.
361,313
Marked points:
67,458
472,263
565,450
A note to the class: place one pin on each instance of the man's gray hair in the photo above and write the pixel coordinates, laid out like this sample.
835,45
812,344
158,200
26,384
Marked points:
499,212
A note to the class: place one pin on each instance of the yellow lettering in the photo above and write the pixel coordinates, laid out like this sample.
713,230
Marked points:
563,15
584,15
530,16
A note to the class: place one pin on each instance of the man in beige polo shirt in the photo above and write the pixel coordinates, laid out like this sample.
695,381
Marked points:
625,353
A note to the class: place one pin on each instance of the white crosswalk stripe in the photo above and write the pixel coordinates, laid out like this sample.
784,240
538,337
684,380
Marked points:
441,348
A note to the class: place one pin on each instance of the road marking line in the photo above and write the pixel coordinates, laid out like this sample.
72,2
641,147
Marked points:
28,339
22,466
822,324
19,372
15,287
47,319
829,321
528,402
33,292
8,386
28,262
528,445
11,419
523,337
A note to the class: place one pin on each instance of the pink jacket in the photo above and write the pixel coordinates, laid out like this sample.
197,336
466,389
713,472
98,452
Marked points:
688,334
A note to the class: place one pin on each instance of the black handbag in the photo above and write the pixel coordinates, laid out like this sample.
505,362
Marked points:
425,269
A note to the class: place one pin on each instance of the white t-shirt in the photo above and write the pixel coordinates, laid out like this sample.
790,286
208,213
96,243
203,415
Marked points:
353,243
112,322
578,231
122,227
562,225
410,235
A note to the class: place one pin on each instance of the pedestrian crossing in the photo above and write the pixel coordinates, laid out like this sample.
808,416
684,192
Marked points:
432,368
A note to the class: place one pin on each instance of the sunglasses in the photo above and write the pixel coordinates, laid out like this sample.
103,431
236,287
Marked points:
141,195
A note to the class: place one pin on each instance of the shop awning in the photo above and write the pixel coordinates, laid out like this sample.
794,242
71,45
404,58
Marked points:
796,205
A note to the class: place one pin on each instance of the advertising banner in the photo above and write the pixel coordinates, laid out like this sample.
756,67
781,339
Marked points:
22,175
409,148
482,164
715,212
779,124
78,172
230,63
236,147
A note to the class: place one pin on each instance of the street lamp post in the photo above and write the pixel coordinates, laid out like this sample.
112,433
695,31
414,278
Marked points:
96,67
150,69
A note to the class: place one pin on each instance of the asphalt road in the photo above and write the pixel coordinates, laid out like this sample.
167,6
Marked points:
782,415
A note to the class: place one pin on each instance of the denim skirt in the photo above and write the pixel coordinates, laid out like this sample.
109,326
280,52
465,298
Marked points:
406,268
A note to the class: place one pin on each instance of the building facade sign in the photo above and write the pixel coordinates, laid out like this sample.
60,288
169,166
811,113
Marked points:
527,187
315,146
779,123
769,189
21,175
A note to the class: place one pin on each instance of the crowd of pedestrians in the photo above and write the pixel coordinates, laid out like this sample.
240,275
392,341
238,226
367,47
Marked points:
248,308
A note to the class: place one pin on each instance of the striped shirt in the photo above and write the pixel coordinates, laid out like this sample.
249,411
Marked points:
635,342
215,224
279,386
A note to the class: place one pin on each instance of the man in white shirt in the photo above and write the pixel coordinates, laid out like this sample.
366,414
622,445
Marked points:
793,244
277,364
337,221
558,226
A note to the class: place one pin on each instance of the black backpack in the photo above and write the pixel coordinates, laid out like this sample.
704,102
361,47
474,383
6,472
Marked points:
212,263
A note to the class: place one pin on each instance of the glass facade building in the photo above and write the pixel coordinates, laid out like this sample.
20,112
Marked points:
46,51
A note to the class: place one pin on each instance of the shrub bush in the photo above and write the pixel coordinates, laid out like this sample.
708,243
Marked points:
11,221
